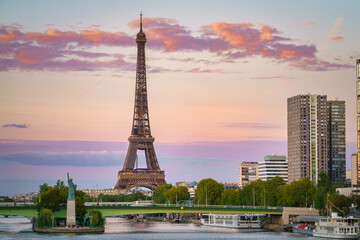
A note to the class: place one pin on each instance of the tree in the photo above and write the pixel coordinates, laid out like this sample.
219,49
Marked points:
272,188
229,197
51,199
44,187
44,219
80,209
158,194
136,196
7,199
208,191
177,194
324,181
320,198
342,202
96,218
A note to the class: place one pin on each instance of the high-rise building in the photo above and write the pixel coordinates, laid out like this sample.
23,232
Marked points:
248,173
354,178
358,116
273,166
307,136
336,142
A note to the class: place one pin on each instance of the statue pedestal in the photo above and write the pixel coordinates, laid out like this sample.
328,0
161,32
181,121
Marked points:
70,213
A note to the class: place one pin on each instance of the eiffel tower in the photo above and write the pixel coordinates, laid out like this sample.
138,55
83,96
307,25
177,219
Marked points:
140,139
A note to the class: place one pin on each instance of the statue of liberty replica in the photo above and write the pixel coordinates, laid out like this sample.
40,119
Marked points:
70,213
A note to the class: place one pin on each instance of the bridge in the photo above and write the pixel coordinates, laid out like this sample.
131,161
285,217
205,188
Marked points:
276,216
107,211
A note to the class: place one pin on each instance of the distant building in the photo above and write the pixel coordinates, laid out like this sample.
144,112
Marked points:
232,185
190,185
336,141
354,169
97,192
273,166
25,197
248,173
307,136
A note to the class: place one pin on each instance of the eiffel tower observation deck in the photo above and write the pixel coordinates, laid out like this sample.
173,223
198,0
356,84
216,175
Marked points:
140,139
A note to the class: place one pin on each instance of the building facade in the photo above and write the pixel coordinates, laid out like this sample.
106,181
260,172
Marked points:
358,116
336,142
307,136
354,178
273,166
248,173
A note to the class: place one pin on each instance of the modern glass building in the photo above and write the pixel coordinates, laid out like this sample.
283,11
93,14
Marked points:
336,142
273,166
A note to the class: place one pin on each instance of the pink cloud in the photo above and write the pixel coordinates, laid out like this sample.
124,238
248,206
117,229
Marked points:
309,23
228,41
198,70
337,38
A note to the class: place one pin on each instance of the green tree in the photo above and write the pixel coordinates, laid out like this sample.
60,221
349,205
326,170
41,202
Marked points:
251,192
320,198
325,181
51,199
210,190
158,194
136,196
44,187
177,194
229,197
342,202
97,219
80,209
44,219
272,188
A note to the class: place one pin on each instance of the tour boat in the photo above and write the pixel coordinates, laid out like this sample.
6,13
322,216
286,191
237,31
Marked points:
337,227
252,221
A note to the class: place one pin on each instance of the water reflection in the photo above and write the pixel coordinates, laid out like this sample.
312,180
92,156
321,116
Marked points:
121,228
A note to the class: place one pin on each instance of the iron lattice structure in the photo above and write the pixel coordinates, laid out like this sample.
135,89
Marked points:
140,139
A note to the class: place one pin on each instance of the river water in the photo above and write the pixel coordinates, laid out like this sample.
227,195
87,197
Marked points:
120,228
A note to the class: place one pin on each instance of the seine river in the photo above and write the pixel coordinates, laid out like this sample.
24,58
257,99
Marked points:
119,228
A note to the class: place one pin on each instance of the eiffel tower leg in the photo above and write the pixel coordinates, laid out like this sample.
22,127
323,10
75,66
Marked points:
130,157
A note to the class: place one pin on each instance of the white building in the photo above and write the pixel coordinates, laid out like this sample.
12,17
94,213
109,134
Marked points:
273,166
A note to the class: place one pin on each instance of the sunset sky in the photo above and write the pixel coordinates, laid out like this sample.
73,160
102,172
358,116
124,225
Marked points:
219,74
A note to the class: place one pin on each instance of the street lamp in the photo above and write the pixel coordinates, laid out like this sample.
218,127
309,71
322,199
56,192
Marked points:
90,221
206,197
254,196
52,221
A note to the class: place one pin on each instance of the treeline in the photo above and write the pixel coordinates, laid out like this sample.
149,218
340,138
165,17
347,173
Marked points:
169,194
274,192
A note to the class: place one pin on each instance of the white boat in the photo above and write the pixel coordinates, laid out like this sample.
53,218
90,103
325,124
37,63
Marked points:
337,227
252,221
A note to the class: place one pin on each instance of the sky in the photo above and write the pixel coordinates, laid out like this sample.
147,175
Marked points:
219,74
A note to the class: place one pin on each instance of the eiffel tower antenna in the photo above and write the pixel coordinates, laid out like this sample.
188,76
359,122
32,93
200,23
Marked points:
140,139
141,21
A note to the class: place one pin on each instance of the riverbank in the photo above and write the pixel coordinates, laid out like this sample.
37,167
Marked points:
69,230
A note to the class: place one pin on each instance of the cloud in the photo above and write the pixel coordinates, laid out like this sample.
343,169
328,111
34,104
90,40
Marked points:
337,38
14,125
251,125
56,50
309,23
89,158
198,70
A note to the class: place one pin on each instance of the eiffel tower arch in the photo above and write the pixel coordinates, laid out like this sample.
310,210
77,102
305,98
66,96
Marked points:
140,139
